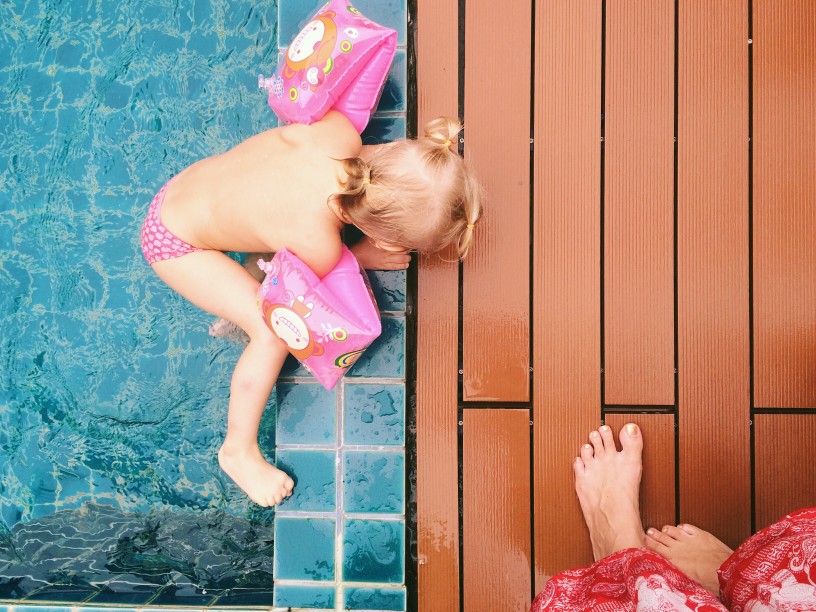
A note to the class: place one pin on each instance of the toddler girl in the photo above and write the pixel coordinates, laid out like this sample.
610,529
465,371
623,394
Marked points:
296,186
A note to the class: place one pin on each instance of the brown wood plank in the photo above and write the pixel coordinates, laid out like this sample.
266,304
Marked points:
712,194
437,338
566,271
784,51
496,510
657,490
496,290
639,203
785,477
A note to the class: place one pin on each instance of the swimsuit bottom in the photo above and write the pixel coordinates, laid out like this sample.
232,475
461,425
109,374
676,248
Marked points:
158,242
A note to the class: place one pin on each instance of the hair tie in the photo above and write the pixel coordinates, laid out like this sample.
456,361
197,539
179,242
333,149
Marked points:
470,226
366,181
447,144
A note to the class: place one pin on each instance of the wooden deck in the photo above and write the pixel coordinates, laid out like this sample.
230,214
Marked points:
647,253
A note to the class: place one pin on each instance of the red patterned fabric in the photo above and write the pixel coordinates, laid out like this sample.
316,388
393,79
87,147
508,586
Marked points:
775,569
634,578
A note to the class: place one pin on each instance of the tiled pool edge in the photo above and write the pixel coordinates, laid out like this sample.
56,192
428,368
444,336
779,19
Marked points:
332,587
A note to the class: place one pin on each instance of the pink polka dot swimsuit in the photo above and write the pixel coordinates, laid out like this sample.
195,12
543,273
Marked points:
158,242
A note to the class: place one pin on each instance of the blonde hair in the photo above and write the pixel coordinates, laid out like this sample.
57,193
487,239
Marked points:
417,194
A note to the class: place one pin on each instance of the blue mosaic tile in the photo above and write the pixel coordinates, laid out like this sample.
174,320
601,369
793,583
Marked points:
385,357
102,609
395,89
384,129
266,430
375,599
314,475
185,594
63,594
297,596
389,288
374,481
294,14
374,415
120,591
304,549
244,598
28,608
292,367
306,414
374,551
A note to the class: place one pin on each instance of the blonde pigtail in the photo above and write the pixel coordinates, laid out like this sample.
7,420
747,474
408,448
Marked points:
443,132
472,201
359,176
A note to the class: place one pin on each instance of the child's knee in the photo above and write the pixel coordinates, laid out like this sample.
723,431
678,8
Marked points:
268,343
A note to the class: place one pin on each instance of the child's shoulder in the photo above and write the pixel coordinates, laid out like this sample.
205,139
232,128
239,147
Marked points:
335,133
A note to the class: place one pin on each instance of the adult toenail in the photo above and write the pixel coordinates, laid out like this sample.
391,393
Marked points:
650,531
631,429
593,434
665,529
604,427
588,446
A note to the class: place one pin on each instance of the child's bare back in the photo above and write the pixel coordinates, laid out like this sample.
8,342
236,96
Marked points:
269,192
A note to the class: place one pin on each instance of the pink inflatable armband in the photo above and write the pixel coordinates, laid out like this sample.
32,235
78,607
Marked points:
339,60
326,323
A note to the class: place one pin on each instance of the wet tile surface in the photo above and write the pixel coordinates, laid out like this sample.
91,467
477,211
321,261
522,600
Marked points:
314,475
304,549
374,551
376,599
306,414
389,289
385,357
374,482
292,596
374,414
384,129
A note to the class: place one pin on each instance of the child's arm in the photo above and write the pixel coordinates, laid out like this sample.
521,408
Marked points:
321,253
371,257
337,135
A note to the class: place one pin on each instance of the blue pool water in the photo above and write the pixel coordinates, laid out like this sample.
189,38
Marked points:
112,394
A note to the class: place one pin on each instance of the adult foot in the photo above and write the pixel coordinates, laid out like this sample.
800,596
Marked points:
607,482
695,551
265,484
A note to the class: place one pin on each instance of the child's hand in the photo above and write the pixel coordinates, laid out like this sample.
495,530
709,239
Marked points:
372,257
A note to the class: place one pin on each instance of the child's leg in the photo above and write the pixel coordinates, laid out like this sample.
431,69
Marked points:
221,286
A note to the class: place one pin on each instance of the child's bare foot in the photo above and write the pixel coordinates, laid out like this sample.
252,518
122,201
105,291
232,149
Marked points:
608,483
222,328
265,484
695,551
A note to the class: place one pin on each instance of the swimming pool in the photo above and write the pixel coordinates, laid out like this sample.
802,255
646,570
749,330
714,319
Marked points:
113,396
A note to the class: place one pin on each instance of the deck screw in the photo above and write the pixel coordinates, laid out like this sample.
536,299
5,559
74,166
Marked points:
750,41
461,371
